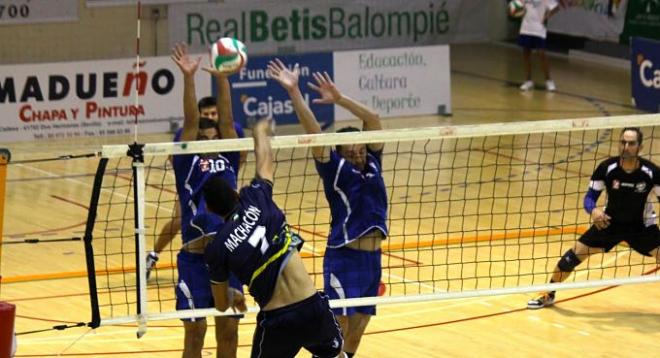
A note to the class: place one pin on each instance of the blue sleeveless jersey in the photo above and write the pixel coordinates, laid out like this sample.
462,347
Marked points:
191,171
254,244
357,200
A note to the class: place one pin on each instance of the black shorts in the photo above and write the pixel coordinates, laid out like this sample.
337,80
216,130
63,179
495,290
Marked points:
282,332
640,238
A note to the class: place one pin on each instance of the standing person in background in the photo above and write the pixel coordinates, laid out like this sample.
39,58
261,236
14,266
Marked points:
355,191
532,36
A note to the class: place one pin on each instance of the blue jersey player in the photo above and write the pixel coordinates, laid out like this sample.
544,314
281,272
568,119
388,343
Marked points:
208,108
355,190
193,289
256,244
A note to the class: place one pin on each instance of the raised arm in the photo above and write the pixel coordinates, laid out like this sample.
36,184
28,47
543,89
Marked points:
188,67
289,80
331,95
225,114
263,152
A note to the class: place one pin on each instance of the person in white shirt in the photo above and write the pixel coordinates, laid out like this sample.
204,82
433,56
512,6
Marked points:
532,37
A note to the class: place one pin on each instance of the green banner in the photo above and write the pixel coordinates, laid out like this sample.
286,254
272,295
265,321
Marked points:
642,19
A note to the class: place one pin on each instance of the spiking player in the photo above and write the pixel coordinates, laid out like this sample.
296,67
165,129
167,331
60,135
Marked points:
193,289
355,190
256,244
628,216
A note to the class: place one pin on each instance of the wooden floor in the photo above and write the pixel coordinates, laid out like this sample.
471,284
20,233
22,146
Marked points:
47,281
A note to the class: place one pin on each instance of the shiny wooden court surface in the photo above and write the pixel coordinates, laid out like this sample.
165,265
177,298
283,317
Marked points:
49,200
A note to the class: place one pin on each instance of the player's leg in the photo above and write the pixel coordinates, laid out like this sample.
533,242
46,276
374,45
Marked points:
226,336
591,242
274,337
572,259
357,324
226,327
647,242
527,68
193,339
193,292
325,336
361,280
545,66
524,42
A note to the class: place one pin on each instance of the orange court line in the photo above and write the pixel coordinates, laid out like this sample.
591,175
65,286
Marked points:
517,234
389,247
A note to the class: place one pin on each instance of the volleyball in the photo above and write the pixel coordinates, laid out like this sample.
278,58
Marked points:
516,8
228,55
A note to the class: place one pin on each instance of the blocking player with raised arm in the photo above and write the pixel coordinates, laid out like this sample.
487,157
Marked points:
208,108
355,191
191,171
628,216
257,245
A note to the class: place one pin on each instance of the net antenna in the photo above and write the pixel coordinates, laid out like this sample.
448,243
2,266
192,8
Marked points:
137,73
474,210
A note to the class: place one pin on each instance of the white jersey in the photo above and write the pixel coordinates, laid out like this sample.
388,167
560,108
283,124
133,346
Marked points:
535,11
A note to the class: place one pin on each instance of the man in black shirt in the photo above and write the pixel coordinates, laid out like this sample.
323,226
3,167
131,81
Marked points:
628,215
256,245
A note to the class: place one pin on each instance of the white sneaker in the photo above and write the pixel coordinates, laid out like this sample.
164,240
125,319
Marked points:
550,85
543,299
528,85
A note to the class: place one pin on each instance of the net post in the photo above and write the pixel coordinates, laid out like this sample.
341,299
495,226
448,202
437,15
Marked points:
7,310
136,151
5,157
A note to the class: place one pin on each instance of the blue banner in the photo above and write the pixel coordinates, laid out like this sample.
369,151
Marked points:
645,74
255,95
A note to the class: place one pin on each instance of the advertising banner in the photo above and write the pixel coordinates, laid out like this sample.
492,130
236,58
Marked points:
272,26
14,12
91,98
642,20
255,95
396,81
645,73
97,98
596,19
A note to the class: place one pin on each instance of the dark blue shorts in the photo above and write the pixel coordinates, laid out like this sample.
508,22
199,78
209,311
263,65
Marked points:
350,273
193,289
531,42
282,332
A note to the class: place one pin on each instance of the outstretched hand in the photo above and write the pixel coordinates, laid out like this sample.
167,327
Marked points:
187,65
326,88
217,73
287,78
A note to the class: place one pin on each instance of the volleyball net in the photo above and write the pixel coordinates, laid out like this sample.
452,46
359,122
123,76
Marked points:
473,210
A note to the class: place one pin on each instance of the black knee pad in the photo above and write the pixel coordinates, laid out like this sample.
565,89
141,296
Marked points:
569,261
